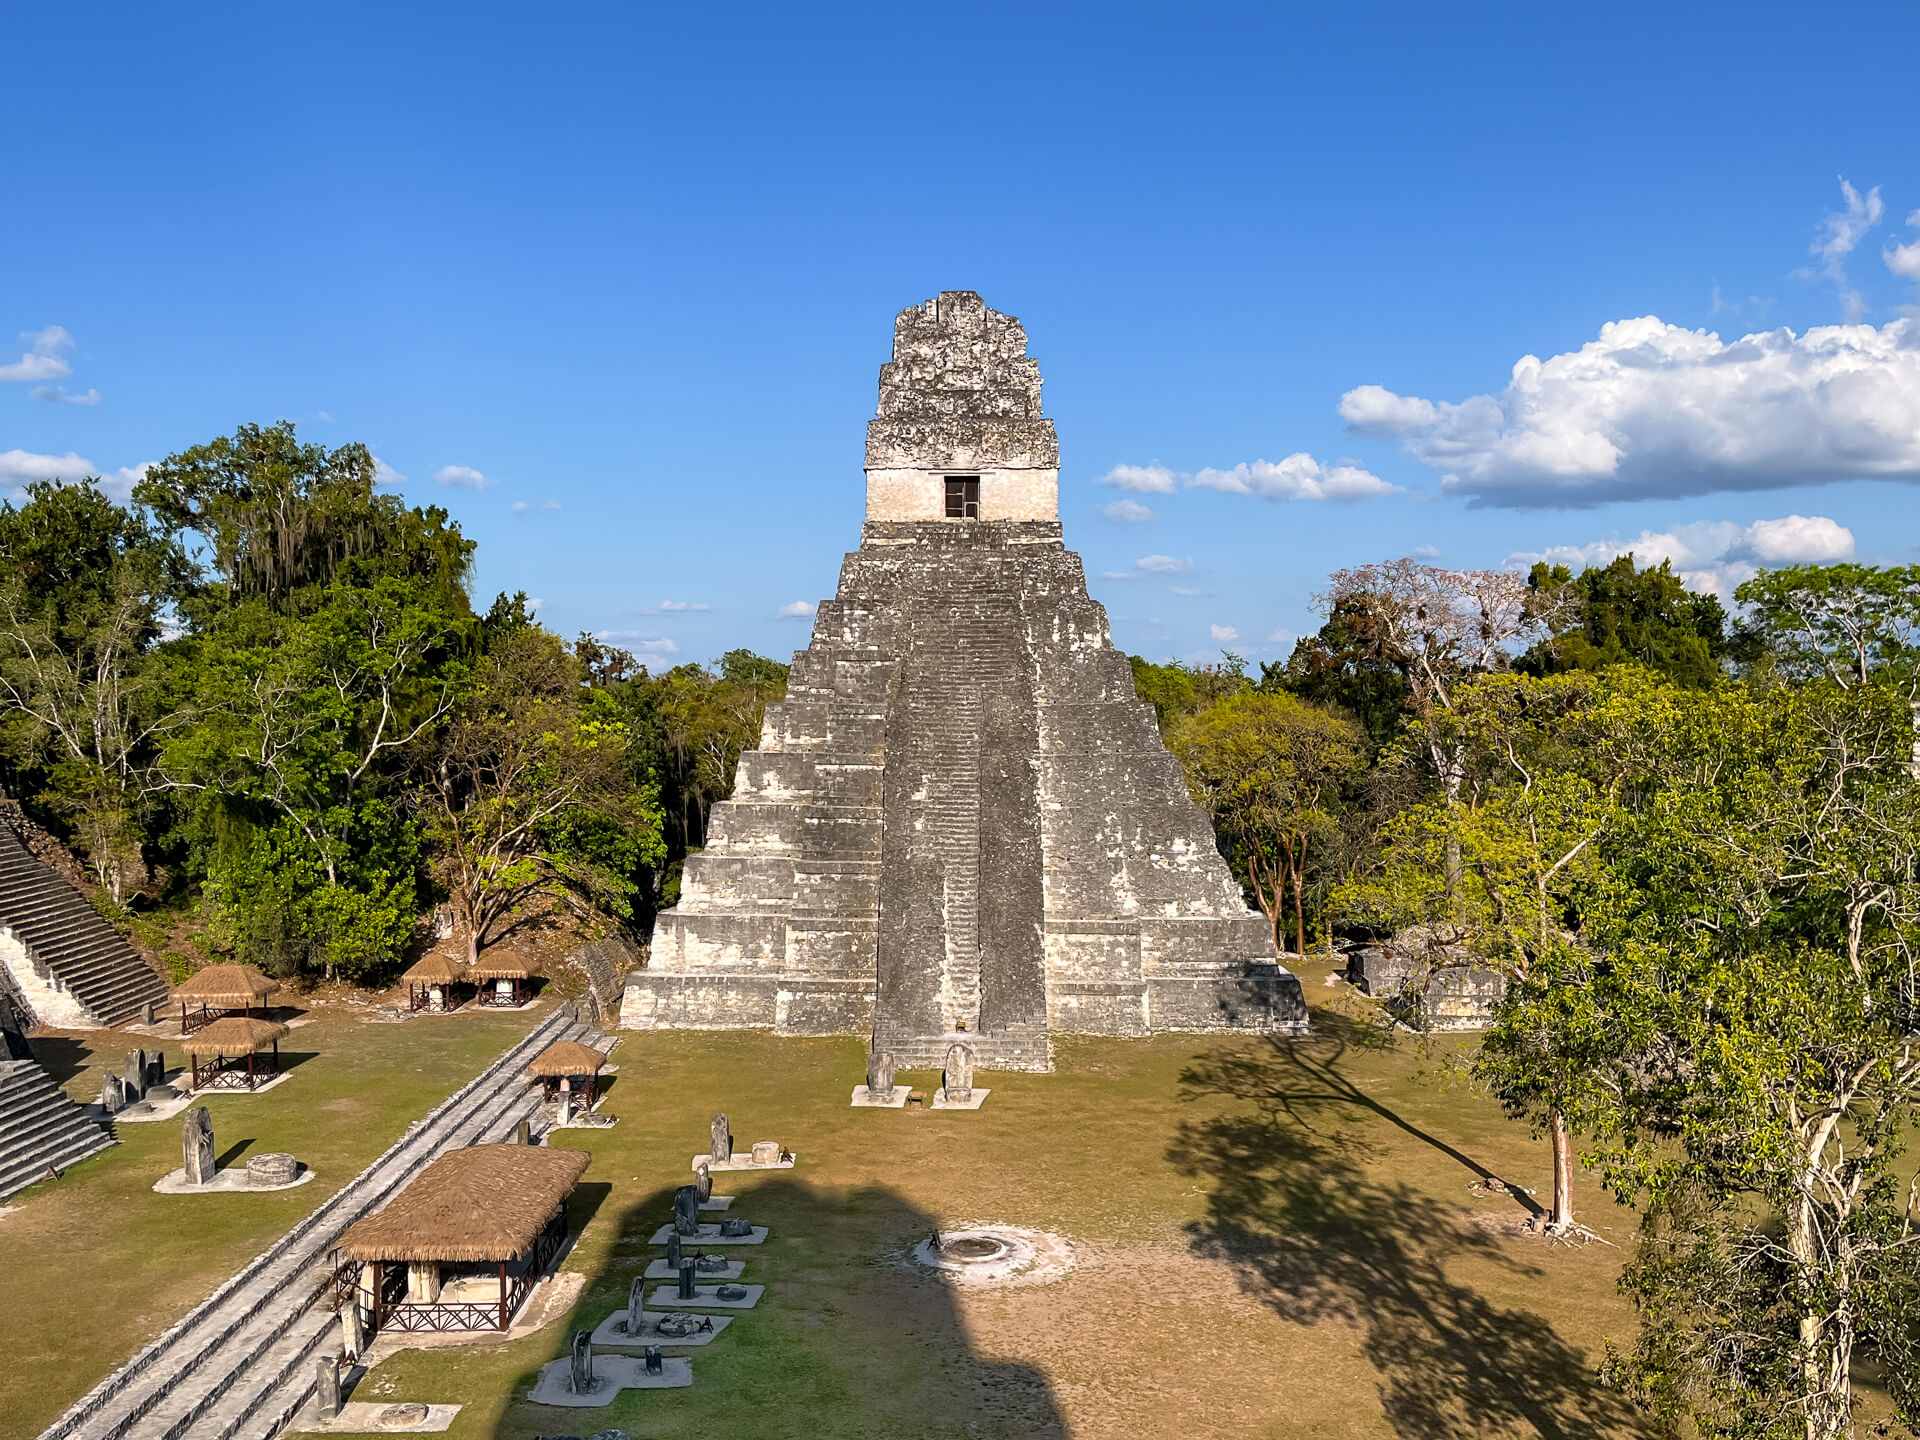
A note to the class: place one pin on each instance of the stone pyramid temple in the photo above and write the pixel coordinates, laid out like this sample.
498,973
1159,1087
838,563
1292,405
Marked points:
961,823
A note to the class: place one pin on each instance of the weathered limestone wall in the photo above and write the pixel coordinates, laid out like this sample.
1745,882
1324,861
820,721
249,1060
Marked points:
900,494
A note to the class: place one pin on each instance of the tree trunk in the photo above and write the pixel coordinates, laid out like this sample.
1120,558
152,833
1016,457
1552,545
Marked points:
1562,1218
1299,915
1826,1359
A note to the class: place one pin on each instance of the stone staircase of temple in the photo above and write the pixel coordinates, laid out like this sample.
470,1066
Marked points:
975,633
41,1130
66,937
240,1366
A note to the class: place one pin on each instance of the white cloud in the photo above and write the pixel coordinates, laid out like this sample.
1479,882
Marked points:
1838,236
1713,556
1127,512
1298,477
1222,634
461,477
798,610
519,507
59,395
1652,409
17,467
637,642
1189,592
1904,260
690,607
45,355
1425,552
326,417
1279,637
1141,479
1162,565
534,602
121,482
1118,575
386,476
549,504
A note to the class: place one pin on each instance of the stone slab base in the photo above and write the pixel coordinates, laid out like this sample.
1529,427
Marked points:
661,1270
362,1417
717,1202
231,1181
613,1373
863,1099
710,1235
706,1297
612,1332
742,1160
211,1094
972,1102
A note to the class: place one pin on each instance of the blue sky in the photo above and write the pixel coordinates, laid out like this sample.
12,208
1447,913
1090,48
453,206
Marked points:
615,286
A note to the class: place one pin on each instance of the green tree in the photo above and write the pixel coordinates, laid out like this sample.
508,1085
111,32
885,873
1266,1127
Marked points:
1269,770
1503,871
530,790
279,518
1757,995
84,589
1617,614
1176,689
1350,664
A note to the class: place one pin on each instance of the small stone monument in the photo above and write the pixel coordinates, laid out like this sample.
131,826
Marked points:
156,1069
136,1077
580,1367
326,1397
703,1182
686,1211
766,1152
673,1249
196,1146
113,1093
523,1132
352,1341
880,1077
957,1079
565,1113
722,1136
653,1361
731,1292
734,1228
636,1320
687,1268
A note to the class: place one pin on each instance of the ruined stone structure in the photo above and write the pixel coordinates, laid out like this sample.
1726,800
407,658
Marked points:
961,823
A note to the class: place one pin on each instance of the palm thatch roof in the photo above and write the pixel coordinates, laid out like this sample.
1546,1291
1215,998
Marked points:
436,969
503,967
232,1035
226,985
486,1202
567,1057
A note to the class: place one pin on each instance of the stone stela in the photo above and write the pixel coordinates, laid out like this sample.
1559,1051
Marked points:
961,822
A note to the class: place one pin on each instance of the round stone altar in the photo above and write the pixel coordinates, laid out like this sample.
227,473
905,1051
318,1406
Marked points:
980,1255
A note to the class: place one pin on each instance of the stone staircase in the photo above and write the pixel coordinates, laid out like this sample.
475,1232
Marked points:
68,944
241,1365
972,642
40,1128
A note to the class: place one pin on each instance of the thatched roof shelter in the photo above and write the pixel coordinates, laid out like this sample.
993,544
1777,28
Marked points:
566,1057
231,987
233,1035
486,1202
438,968
503,967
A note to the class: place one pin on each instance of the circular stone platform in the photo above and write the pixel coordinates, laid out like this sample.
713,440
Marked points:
973,1255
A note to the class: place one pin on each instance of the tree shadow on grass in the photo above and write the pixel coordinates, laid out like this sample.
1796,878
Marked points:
1318,1239
846,1340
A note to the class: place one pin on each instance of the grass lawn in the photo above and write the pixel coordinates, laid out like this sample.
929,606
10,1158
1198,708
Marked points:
1273,1240
95,1264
